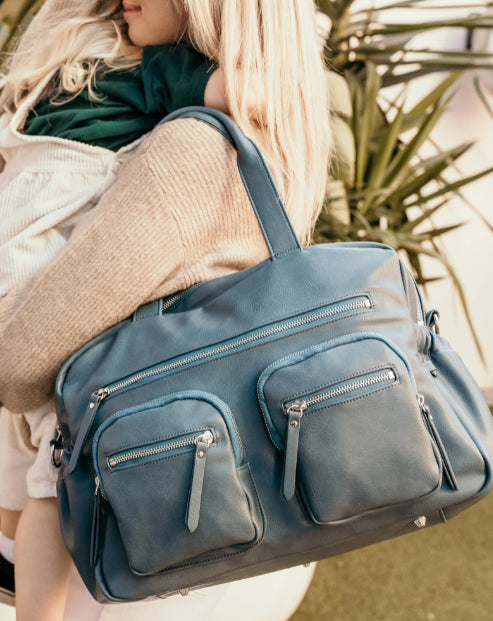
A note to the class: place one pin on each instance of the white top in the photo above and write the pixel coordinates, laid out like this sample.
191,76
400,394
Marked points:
46,184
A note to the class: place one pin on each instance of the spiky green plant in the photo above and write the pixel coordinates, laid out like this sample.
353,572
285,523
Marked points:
381,188
374,34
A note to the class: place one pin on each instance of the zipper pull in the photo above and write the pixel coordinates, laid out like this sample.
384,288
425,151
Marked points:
294,412
202,444
96,530
448,471
87,421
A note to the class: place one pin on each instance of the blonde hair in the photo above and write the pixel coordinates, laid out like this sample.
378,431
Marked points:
77,45
265,47
272,45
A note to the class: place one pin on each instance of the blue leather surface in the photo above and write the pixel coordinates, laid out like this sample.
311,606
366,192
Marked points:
341,324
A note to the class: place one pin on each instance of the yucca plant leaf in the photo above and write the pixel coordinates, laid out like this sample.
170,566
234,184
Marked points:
395,42
334,8
388,144
397,165
356,105
405,77
364,28
372,88
432,64
434,96
451,187
426,215
428,170
481,94
391,177
471,206
408,123
438,232
412,4
377,48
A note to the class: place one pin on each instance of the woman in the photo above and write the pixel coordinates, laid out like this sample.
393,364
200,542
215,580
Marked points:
77,106
176,215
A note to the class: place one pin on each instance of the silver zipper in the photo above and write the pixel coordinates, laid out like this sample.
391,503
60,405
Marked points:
388,375
295,412
172,300
205,437
340,308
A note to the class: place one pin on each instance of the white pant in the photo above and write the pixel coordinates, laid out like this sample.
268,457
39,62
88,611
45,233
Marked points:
25,465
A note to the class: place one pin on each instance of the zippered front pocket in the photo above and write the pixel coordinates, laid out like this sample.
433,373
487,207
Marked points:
347,418
174,475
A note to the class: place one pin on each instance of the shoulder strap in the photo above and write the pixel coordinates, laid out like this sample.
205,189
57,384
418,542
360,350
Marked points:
266,202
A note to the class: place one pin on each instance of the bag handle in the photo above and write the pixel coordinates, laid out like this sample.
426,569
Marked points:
257,179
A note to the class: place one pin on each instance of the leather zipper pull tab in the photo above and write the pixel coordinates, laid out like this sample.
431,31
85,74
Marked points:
294,413
448,470
202,444
87,422
96,531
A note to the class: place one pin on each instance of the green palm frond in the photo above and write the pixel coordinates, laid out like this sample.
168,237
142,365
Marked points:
373,34
395,192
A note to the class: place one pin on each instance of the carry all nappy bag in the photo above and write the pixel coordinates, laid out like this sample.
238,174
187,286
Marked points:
290,412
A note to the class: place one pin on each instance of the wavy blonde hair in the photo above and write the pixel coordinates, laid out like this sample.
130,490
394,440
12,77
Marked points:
77,45
271,46
265,47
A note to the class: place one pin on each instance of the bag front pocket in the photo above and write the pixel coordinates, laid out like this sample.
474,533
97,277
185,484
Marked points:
347,417
174,475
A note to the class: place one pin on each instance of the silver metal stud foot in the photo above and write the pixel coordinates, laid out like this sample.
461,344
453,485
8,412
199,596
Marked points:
420,522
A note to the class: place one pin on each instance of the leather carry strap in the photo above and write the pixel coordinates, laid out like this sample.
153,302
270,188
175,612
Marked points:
266,202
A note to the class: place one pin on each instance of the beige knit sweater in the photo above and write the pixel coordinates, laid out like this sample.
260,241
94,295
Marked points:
178,214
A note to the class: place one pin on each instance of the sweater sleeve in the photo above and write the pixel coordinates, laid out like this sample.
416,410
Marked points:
178,213
174,76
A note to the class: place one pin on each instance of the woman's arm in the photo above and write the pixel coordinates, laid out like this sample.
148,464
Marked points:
177,214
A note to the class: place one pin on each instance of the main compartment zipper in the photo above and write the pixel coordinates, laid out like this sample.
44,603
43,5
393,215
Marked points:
354,304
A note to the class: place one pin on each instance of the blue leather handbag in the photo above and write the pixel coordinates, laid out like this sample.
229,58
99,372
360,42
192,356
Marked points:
293,411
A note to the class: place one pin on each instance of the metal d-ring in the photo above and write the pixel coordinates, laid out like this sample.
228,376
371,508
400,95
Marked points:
56,448
432,318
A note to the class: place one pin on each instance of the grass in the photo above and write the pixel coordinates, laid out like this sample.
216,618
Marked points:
444,573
